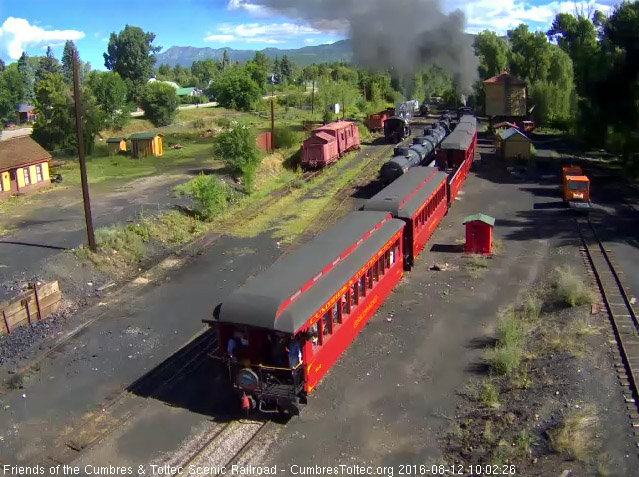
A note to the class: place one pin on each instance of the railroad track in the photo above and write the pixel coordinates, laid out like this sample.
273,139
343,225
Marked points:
227,446
622,316
90,432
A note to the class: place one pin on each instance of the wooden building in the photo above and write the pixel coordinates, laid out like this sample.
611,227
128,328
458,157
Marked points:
479,234
513,144
116,145
146,144
25,113
505,96
24,166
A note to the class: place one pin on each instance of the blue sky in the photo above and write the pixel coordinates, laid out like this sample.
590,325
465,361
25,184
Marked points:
31,25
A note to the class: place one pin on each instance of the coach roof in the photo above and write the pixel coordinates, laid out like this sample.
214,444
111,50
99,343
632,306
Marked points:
407,193
287,294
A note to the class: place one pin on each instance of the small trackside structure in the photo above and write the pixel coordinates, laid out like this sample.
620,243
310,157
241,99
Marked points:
116,145
146,144
513,144
24,166
479,234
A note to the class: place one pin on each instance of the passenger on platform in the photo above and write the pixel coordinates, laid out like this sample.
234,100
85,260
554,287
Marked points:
237,345
294,353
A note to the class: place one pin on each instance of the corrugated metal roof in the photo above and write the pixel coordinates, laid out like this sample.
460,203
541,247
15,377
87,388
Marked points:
24,108
258,302
508,133
322,136
335,126
407,193
21,151
144,135
487,219
502,78
115,139
184,91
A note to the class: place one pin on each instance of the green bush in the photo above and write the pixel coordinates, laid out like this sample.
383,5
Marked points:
285,137
209,195
504,359
236,146
127,241
159,102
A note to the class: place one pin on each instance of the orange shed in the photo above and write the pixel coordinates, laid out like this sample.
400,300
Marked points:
479,234
146,144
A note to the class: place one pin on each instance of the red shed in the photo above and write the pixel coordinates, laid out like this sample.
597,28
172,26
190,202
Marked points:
479,234
319,150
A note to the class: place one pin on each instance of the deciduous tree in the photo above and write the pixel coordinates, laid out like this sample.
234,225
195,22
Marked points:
109,91
159,102
131,54
236,89
54,128
492,52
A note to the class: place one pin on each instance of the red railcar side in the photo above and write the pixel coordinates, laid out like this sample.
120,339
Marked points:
376,280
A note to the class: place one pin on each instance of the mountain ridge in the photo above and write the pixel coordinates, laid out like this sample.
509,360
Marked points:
186,55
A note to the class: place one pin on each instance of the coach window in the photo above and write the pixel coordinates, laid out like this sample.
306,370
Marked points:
314,331
362,286
336,312
387,259
369,278
346,304
327,325
354,297
376,271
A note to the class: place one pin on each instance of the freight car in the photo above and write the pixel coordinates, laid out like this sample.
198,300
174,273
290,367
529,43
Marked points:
396,129
407,109
328,143
420,153
375,122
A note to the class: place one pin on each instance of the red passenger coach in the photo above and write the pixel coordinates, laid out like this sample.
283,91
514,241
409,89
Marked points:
418,197
456,180
283,330
459,146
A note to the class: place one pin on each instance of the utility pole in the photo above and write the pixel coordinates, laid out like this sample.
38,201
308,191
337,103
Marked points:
272,115
313,101
80,145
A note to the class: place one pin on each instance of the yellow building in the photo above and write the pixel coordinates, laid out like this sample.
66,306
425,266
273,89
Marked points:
24,166
146,144
116,145
513,144
505,96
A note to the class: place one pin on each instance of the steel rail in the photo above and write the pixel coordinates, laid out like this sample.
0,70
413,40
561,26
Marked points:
606,290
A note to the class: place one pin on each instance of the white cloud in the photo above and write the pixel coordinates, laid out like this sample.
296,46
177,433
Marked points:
271,33
16,34
220,38
256,10
502,15
308,41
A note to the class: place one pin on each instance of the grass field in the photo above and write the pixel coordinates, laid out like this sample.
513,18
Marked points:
101,168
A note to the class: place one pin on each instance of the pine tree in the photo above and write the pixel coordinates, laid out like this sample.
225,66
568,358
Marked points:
226,61
29,78
67,61
48,65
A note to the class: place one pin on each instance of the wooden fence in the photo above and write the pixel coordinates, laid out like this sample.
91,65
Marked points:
37,303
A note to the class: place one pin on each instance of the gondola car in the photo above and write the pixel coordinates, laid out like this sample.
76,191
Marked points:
315,300
396,129
418,198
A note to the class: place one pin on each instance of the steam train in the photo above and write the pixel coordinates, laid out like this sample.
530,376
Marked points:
281,332
397,127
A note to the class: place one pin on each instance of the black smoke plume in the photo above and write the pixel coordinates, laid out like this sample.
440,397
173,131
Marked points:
401,35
